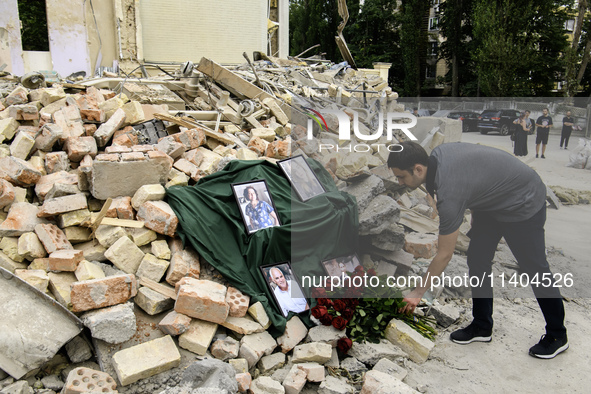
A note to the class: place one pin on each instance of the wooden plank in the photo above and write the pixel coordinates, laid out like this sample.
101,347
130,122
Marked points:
191,124
161,288
236,84
101,216
122,222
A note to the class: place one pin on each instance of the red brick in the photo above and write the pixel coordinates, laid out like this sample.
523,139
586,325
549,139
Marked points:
18,172
244,381
56,162
78,147
133,156
421,245
237,301
203,299
158,216
174,323
99,293
65,260
89,129
113,157
184,263
6,193
84,380
121,208
52,237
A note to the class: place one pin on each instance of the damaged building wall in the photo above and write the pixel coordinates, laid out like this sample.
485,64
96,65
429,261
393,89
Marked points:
10,37
133,31
67,36
185,29
102,35
67,39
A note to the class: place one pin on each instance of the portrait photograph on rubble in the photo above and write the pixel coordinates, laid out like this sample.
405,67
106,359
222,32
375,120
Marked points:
285,288
302,178
341,265
256,205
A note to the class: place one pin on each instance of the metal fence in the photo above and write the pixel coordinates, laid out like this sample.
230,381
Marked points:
556,106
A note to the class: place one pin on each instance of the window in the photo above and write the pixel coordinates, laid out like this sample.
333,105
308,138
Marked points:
33,18
434,23
431,71
569,25
433,48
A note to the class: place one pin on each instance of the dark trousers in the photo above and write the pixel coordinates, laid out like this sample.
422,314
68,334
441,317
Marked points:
526,241
564,137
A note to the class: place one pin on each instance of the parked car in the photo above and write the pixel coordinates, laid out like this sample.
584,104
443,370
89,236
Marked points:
469,119
499,120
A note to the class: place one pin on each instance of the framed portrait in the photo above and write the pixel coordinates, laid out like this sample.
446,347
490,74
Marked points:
341,265
285,288
302,178
256,205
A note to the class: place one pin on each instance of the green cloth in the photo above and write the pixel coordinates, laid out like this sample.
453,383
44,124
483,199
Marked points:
323,227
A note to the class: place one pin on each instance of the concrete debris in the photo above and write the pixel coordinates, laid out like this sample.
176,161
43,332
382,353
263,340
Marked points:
83,175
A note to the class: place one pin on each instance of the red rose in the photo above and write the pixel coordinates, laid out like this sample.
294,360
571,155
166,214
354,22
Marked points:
348,313
344,344
326,319
372,272
322,301
319,311
339,305
339,323
359,269
352,302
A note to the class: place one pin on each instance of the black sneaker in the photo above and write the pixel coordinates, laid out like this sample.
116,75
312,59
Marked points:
471,334
537,156
549,347
543,157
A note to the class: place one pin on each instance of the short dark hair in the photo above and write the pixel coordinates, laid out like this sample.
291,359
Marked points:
410,154
245,192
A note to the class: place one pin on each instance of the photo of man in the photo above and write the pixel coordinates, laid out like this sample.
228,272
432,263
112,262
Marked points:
286,290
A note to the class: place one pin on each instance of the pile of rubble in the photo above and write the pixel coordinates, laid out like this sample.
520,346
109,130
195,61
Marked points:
83,175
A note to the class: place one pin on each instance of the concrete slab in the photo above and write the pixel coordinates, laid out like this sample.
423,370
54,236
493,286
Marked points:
26,340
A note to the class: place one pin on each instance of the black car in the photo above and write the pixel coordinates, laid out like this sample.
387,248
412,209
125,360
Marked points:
499,120
469,119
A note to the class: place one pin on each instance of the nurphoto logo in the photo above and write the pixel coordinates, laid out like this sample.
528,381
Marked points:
345,129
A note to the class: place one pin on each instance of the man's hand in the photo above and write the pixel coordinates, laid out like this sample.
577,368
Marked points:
412,299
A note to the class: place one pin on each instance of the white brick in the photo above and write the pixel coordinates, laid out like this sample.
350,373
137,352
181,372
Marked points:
145,360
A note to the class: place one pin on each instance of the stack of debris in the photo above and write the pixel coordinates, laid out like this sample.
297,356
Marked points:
83,174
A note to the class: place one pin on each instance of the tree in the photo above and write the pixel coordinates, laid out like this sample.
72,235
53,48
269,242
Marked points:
375,37
314,22
456,27
413,41
518,46
34,25
577,55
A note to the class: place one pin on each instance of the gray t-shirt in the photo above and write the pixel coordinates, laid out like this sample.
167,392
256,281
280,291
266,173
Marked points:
485,179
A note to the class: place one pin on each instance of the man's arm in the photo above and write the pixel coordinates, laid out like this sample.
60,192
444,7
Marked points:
445,250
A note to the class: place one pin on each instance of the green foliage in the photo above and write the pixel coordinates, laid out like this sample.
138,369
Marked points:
413,39
518,46
34,25
373,315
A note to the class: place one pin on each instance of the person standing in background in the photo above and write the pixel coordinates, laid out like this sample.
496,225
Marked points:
543,125
567,129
